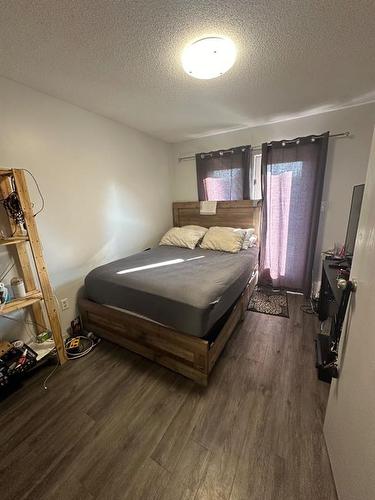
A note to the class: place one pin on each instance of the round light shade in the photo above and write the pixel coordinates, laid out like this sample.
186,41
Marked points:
209,57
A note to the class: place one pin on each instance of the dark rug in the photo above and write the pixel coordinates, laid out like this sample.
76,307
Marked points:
267,301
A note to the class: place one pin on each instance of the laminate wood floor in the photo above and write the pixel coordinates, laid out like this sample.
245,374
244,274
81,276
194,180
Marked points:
116,426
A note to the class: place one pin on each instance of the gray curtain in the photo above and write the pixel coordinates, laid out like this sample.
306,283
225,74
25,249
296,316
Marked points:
292,184
224,175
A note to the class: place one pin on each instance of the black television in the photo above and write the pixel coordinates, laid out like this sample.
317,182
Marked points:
355,211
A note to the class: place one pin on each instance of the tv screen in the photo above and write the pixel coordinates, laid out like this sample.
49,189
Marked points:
355,210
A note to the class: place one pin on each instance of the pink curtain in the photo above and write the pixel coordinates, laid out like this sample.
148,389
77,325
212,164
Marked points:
292,182
279,189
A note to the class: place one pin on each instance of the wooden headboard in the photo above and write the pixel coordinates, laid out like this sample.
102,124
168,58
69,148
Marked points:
242,213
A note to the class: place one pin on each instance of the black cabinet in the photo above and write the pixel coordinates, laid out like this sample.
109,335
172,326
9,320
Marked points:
330,295
332,304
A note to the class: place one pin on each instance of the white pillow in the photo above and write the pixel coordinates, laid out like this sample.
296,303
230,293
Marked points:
253,241
249,237
185,236
223,239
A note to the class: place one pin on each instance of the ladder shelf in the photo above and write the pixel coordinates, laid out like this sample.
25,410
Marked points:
13,180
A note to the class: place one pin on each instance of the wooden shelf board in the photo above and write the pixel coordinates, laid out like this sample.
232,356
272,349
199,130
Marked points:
13,241
16,304
6,171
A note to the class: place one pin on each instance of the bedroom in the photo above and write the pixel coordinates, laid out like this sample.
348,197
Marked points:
97,106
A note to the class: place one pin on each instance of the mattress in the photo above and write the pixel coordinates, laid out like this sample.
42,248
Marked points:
187,290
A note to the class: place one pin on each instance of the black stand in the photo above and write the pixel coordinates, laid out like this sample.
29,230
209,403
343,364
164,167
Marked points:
333,303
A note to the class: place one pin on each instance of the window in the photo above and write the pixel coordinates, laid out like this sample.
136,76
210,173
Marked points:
223,184
234,174
224,175
256,177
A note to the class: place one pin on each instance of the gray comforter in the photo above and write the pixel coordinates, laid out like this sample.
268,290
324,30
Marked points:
188,290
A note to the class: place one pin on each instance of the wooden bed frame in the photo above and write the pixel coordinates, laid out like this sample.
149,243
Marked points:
190,356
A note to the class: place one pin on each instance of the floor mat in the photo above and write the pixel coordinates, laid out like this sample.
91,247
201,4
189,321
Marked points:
267,301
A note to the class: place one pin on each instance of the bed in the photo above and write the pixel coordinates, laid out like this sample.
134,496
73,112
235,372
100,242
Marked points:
174,305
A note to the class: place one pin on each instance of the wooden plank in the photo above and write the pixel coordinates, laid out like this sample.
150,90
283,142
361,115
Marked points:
24,260
153,340
5,172
219,344
161,358
17,304
12,241
249,290
40,264
145,326
192,465
240,213
173,442
182,353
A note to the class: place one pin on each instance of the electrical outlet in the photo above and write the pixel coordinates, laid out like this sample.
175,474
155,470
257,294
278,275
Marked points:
64,304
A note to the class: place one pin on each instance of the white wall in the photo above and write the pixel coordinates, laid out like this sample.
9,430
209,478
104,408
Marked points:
349,425
106,187
346,162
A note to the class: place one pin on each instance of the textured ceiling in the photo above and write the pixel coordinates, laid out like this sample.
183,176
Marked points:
121,58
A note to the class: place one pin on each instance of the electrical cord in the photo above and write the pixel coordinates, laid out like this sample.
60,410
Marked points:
45,387
57,302
13,207
39,191
73,355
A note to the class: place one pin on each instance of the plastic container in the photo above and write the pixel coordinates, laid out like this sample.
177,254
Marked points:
18,288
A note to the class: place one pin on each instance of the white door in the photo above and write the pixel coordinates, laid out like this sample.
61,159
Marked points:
349,426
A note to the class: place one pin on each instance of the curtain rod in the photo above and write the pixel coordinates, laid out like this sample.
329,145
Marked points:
259,146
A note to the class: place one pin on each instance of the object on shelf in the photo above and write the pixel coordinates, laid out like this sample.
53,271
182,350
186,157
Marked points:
3,293
43,349
14,364
4,347
18,288
76,327
338,251
43,336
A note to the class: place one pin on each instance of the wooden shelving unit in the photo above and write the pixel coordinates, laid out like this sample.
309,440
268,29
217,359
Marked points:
14,180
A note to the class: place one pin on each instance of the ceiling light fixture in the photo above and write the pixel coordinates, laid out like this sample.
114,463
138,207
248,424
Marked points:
209,57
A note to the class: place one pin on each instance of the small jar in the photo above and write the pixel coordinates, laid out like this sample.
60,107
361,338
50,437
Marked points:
18,288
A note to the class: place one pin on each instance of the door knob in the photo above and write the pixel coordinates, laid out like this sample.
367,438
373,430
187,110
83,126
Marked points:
343,284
